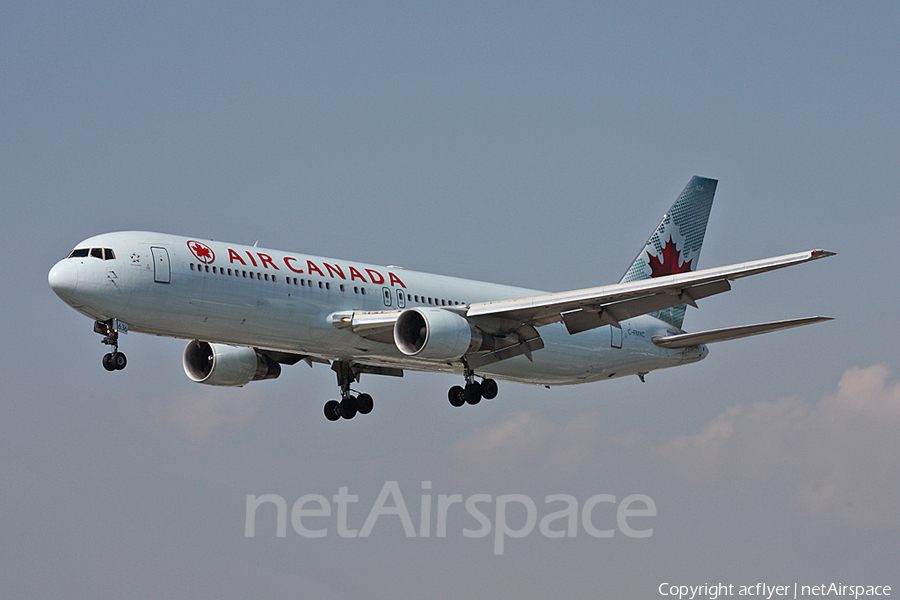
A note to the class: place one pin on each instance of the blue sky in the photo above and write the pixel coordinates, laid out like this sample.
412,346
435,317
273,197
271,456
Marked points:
533,145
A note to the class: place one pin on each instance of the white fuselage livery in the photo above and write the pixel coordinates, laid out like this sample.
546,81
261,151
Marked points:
287,302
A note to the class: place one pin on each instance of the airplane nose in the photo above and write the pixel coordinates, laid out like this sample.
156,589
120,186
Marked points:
63,278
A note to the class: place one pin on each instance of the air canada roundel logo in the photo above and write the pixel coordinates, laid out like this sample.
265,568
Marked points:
203,252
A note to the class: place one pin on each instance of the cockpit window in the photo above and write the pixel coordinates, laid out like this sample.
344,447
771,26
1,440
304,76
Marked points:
101,253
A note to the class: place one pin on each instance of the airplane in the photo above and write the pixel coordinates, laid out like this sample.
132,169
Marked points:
248,310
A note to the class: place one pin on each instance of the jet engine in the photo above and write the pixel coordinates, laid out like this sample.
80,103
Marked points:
221,364
437,334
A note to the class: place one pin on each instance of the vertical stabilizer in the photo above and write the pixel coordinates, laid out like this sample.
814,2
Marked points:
675,245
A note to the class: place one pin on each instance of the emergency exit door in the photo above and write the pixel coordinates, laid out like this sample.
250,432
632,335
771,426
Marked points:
615,336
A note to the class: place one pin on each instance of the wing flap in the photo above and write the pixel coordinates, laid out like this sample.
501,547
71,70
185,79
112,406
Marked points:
612,314
684,340
526,347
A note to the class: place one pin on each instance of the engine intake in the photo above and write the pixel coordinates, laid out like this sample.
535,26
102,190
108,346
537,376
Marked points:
221,364
437,334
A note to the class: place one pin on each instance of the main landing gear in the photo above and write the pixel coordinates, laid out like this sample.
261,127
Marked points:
349,405
473,392
115,360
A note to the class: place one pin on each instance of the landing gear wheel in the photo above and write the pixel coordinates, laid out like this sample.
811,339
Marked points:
457,396
348,407
489,389
364,404
473,392
119,361
108,362
332,410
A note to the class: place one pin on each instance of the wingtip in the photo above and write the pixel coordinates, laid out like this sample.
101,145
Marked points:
822,253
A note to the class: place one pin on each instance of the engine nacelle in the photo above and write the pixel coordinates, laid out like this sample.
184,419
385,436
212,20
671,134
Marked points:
220,364
437,334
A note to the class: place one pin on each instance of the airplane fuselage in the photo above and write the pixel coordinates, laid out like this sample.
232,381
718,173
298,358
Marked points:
287,302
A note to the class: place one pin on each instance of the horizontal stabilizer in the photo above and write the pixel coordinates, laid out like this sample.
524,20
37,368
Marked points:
732,333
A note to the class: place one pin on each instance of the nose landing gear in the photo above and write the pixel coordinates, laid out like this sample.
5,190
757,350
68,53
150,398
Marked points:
115,360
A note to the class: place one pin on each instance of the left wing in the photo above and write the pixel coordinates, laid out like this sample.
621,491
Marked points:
589,308
512,323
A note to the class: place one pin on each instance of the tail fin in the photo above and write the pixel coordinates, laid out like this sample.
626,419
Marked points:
675,245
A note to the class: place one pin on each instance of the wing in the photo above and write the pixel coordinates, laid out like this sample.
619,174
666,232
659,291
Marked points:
513,323
586,309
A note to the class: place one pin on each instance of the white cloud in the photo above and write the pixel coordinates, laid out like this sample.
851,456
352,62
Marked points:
834,459
528,447
209,415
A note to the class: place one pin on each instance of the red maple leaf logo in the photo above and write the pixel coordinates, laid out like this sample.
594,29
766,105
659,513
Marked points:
669,265
203,252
